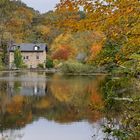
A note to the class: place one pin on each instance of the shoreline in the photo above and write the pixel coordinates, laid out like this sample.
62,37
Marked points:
58,71
53,71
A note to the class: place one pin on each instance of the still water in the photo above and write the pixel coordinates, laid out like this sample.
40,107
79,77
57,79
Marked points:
35,105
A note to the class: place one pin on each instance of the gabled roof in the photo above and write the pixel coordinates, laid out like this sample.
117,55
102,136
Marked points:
29,47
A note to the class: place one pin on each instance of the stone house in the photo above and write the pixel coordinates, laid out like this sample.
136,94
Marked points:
32,54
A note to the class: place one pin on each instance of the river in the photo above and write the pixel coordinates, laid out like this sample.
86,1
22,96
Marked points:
37,105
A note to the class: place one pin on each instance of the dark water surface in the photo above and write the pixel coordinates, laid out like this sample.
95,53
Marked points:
35,105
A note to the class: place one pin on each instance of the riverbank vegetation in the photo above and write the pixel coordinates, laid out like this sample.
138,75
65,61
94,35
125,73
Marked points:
100,34
121,94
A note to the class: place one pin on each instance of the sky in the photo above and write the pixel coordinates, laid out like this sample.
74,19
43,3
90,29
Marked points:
41,5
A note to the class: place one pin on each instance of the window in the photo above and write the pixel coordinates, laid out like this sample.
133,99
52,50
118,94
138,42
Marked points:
36,90
37,57
36,48
25,57
14,47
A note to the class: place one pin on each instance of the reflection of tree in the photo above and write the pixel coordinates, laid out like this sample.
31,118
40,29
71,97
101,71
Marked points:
66,99
16,114
11,135
95,94
73,99
3,86
17,85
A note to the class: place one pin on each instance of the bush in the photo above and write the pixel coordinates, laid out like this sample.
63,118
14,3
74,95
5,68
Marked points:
1,64
130,67
75,67
40,66
49,63
24,66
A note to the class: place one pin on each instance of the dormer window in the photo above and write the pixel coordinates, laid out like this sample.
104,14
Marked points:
36,48
14,47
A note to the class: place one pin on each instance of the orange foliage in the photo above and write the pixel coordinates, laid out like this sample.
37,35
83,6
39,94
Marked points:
94,51
14,23
96,98
16,105
63,53
95,116
26,119
43,104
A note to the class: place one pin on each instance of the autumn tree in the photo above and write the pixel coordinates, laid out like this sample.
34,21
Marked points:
62,49
5,36
117,20
15,23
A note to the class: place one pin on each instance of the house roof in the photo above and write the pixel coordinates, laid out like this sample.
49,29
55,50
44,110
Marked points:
29,47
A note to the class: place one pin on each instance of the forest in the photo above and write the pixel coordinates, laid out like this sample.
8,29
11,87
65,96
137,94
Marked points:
82,35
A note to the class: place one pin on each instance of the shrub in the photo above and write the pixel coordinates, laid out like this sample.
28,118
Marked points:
75,67
49,63
40,65
1,64
24,66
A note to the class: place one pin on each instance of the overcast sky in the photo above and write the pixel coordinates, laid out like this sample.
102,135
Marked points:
41,5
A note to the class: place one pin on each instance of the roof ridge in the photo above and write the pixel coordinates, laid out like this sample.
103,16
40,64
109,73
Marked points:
29,46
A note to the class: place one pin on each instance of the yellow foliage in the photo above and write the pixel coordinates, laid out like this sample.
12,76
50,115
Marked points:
15,106
61,91
64,90
44,30
43,104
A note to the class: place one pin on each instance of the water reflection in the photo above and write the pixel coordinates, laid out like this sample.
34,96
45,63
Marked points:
43,129
36,105
26,88
67,101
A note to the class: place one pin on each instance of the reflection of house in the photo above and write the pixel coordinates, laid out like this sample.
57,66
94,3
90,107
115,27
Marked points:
28,88
34,90
33,54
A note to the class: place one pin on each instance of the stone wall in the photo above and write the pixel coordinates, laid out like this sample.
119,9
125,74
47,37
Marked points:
31,59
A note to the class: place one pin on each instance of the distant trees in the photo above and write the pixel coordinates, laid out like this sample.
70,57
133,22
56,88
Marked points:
15,25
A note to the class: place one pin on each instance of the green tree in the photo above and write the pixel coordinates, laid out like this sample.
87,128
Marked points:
18,61
1,64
